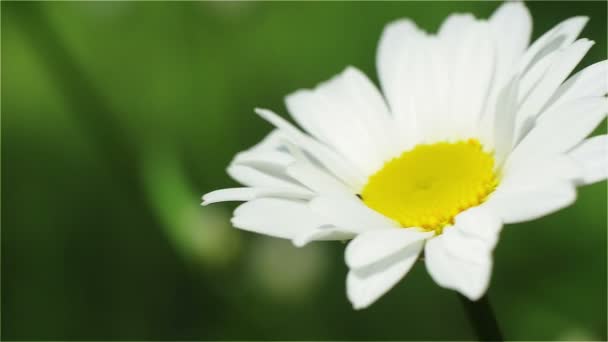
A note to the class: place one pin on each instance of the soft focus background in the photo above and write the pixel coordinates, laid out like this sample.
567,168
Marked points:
118,116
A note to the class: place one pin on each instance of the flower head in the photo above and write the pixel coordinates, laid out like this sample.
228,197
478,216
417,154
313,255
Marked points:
475,128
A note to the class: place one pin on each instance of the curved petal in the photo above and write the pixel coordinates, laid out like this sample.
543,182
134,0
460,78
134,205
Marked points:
562,34
592,156
461,257
248,194
373,246
469,278
480,223
365,285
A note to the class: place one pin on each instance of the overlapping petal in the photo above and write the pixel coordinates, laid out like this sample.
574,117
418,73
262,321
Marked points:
461,257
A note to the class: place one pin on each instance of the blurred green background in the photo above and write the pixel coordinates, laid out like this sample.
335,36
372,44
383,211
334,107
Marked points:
118,116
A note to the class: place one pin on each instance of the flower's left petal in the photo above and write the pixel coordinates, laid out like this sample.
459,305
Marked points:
340,167
365,285
316,179
592,156
248,194
253,177
519,204
232,194
375,245
322,233
348,212
461,257
276,217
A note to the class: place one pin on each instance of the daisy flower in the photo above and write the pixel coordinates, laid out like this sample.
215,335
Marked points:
474,128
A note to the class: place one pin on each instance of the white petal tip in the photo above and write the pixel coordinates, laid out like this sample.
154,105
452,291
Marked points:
264,113
236,222
475,296
299,242
205,200
360,306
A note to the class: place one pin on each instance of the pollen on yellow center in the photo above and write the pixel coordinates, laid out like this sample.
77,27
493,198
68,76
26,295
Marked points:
429,185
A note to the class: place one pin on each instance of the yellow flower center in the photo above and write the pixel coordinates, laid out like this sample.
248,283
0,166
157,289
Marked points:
429,185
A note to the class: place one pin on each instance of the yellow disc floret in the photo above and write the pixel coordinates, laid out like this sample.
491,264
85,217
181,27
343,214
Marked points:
429,185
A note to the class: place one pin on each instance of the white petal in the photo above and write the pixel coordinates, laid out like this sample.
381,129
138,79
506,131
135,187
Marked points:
349,212
563,63
373,246
562,34
538,171
562,128
429,66
365,285
267,157
592,156
349,114
340,167
532,77
504,121
248,194
455,25
233,194
272,142
316,179
589,82
396,62
270,161
255,178
322,233
479,223
525,204
470,67
461,257
275,217
511,26
449,271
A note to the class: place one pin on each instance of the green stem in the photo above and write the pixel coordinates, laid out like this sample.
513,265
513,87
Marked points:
482,318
